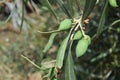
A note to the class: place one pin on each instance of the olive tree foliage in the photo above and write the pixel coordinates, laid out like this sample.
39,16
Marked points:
90,46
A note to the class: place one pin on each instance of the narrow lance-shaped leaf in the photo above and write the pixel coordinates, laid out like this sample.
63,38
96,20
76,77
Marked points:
47,3
78,5
31,62
51,73
100,56
50,42
89,5
70,7
22,17
61,4
61,52
69,67
64,25
102,18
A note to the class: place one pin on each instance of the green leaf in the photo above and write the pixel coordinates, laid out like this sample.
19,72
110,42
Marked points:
33,63
63,7
70,7
89,5
61,52
102,18
22,18
78,5
51,73
47,3
64,25
115,22
69,67
50,42
100,56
